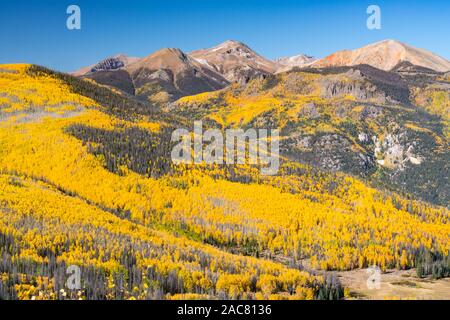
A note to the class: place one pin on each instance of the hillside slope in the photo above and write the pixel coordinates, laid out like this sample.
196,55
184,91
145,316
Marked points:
390,128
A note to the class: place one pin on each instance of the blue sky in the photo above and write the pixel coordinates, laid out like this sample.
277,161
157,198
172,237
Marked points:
35,31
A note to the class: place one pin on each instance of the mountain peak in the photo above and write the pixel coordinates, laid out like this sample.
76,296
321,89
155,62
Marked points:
173,72
233,43
115,62
385,55
236,61
120,56
300,60
167,58
390,41
169,52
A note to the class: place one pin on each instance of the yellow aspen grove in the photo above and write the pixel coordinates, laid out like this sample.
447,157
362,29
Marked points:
86,180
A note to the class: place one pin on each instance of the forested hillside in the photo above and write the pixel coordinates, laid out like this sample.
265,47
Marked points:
86,179
389,128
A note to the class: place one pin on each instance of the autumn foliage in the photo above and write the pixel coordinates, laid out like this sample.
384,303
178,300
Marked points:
140,228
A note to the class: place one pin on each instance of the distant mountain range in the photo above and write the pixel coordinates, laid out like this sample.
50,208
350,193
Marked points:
169,74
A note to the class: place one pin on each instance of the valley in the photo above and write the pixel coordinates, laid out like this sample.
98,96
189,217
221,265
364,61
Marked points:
395,285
